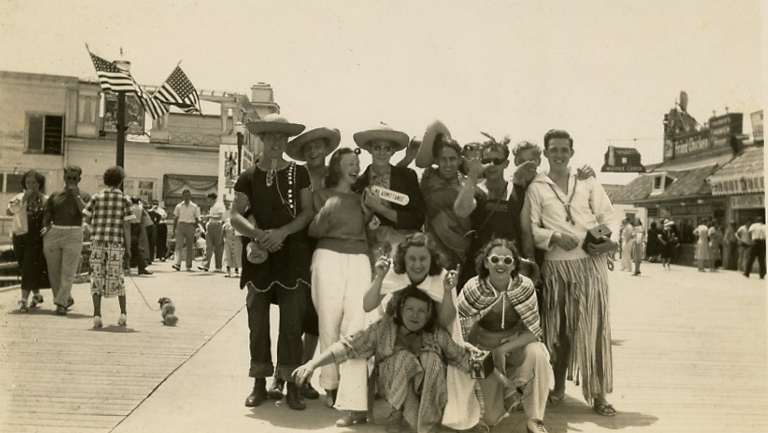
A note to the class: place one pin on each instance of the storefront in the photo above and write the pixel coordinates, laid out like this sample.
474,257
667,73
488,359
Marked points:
742,183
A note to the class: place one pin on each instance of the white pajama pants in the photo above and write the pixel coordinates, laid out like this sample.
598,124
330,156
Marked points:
339,282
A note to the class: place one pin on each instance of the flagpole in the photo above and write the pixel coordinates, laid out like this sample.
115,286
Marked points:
120,154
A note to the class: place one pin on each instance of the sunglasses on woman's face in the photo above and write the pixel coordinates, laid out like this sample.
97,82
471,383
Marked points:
495,161
507,260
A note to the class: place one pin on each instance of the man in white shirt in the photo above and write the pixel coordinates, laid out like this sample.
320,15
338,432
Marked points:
214,242
757,251
185,217
562,210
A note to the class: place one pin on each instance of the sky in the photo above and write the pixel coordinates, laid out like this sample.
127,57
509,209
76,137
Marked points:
605,71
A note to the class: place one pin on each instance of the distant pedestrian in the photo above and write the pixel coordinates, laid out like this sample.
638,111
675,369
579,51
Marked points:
715,244
159,218
730,247
638,235
745,244
757,250
139,241
28,210
626,245
233,249
702,244
214,241
652,245
186,216
63,237
669,242
110,216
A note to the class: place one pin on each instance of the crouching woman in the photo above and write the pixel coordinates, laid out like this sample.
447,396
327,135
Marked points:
499,313
411,351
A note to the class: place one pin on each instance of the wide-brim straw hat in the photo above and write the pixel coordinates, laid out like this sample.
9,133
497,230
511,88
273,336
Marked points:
381,132
669,224
274,123
424,157
331,137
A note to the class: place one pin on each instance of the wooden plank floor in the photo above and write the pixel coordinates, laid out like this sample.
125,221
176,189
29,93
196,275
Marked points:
58,374
689,356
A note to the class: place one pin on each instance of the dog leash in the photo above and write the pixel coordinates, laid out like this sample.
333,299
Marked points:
130,275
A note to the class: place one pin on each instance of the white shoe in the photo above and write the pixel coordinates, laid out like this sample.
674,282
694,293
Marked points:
122,320
97,323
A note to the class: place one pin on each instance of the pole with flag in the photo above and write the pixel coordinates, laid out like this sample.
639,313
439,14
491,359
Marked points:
178,90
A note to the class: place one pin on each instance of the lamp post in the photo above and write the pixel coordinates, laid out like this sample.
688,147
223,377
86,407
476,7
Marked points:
239,130
120,159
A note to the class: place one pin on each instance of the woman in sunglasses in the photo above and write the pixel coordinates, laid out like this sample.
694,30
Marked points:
499,313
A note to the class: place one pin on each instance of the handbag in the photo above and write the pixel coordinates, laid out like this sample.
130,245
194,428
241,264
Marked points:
256,252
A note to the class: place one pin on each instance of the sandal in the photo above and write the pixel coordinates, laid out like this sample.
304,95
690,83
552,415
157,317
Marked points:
23,307
553,400
36,299
604,409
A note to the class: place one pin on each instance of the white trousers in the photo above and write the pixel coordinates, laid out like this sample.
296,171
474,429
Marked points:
339,282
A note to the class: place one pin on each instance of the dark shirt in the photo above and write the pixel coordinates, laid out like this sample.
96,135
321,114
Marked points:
62,209
402,180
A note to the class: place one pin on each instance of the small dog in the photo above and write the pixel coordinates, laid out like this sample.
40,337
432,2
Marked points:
168,310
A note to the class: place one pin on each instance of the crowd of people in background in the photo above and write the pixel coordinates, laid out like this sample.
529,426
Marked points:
472,294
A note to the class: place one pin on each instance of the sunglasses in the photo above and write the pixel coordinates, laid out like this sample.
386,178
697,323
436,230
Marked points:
507,260
495,161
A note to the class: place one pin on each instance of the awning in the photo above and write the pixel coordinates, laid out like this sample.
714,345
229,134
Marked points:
743,175
199,186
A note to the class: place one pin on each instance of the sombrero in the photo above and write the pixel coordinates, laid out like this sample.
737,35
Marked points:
274,123
381,132
424,157
332,139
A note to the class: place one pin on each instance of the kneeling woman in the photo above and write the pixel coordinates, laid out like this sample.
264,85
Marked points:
499,313
411,352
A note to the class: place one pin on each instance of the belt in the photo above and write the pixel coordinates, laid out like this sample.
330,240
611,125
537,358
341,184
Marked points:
54,226
184,222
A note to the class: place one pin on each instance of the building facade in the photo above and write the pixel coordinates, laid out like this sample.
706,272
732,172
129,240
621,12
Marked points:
48,122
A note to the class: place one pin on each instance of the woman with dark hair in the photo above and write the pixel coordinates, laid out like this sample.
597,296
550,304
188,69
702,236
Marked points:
499,313
411,351
28,210
417,263
340,272
110,216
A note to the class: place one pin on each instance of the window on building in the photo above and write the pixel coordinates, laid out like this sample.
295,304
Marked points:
45,134
10,183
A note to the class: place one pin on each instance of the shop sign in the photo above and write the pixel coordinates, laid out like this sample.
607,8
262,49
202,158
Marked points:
692,209
134,114
622,160
691,144
718,135
752,201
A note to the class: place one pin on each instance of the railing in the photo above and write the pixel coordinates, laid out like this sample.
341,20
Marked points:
187,139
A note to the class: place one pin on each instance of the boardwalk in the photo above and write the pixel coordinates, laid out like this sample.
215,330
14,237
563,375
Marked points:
689,355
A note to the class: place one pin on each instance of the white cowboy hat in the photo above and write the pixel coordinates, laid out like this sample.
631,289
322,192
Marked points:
274,123
381,132
332,138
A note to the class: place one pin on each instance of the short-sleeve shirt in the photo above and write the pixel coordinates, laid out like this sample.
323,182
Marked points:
63,209
107,211
187,213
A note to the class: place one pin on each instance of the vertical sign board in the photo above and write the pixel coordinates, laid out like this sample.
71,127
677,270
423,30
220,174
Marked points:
757,125
134,114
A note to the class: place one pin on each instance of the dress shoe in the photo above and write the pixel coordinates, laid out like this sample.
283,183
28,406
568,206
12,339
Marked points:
352,417
308,392
61,310
177,267
275,391
202,269
293,397
535,426
36,299
145,272
70,303
259,393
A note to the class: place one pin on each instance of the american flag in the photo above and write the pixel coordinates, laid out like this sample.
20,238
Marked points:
179,91
111,77
116,80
